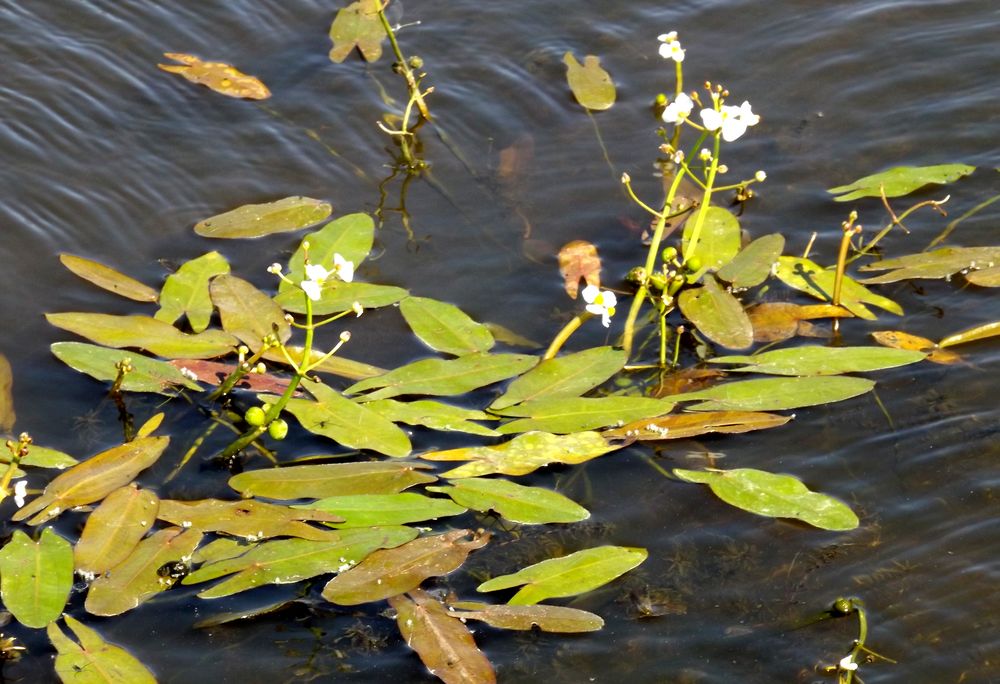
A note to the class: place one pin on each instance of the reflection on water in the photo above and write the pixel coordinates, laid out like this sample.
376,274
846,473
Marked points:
108,158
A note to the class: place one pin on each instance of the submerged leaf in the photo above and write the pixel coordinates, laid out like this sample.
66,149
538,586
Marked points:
778,321
804,275
719,240
717,314
93,660
515,502
357,25
248,518
257,220
108,278
7,414
577,414
591,85
186,291
444,327
901,180
579,260
247,313
774,496
114,529
813,360
144,332
331,479
754,262
570,575
685,425
980,332
564,376
775,394
147,375
36,578
220,77
546,618
901,340
364,510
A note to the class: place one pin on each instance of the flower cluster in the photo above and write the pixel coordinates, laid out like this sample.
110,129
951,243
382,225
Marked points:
317,275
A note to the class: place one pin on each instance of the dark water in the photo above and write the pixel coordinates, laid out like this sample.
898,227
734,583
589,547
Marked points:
107,157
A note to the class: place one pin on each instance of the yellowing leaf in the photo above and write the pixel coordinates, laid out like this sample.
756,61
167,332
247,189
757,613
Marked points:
579,260
93,660
357,25
220,77
257,220
247,313
115,528
685,425
108,278
804,275
901,340
979,332
330,479
546,618
591,85
249,518
777,321
144,332
7,415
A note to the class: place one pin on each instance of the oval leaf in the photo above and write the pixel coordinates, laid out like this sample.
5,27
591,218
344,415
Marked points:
108,278
444,327
93,660
36,578
546,618
144,332
753,264
686,425
445,377
330,479
564,376
717,314
591,85
719,240
775,394
364,510
256,220
813,360
186,291
562,416
114,529
147,375
517,503
899,181
247,313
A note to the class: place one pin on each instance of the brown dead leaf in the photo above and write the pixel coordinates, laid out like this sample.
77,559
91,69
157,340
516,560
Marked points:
579,259
687,380
777,321
215,372
220,77
684,425
900,340
515,160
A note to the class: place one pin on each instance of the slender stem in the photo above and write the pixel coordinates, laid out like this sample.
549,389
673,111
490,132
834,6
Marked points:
838,278
559,340
699,221
411,81
954,224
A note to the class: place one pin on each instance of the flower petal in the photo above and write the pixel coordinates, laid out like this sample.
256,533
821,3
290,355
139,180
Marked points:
313,289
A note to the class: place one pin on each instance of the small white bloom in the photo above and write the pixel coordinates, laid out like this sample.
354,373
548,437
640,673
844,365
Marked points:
678,110
600,303
20,491
760,176
678,156
667,37
313,289
670,47
847,663
274,268
358,309
747,115
316,275
732,120
705,154
343,268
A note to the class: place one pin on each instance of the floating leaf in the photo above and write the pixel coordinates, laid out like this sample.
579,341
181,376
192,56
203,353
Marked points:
364,510
985,277
357,25
941,263
346,422
445,377
444,327
339,296
140,577
686,425
546,618
247,313
336,365
114,529
813,360
777,321
686,380
7,414
93,660
901,180
444,644
570,575
230,617
717,314
562,416
36,578
388,572
147,375
186,291
42,457
774,496
93,479
215,373
220,77
108,278
579,260
433,414
902,340
517,503
564,376
250,519
753,264
289,560
524,454
222,549
351,236
257,220
144,332
151,425
980,332
719,240
775,394
330,479
591,85
804,275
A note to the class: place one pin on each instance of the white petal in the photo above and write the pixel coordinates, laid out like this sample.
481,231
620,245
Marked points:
711,119
609,300
747,115
732,129
312,288
667,37
590,293
596,309
343,268
20,491
316,272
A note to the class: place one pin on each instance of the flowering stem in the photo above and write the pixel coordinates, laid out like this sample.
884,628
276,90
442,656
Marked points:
411,81
699,221
559,340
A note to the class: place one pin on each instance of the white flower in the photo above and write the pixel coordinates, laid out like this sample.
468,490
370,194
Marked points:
667,37
705,154
600,303
760,176
274,268
344,268
670,47
678,110
747,115
358,309
847,663
732,120
20,491
316,275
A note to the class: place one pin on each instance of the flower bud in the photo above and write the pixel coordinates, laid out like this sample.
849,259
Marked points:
345,336
274,268
254,416
278,429
760,176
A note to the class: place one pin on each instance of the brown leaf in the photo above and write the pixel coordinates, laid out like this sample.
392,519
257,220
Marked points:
220,77
515,160
444,644
684,425
687,380
901,340
247,518
546,618
777,321
7,415
579,259
215,372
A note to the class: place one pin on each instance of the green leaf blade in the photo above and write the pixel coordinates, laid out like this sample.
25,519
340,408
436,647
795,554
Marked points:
186,291
36,578
564,376
444,327
815,360
258,220
515,502
900,180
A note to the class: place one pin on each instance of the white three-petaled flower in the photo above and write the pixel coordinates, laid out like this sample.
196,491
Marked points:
600,303
670,47
343,268
847,663
678,110
316,275
20,491
733,121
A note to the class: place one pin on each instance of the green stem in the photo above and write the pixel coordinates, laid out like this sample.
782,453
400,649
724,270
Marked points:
699,221
559,340
411,81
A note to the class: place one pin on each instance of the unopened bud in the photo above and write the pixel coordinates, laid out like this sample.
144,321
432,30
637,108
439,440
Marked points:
260,368
345,336
723,168
760,176
626,178
274,268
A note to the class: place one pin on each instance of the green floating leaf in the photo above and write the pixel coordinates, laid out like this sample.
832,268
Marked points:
93,479
43,457
546,618
984,277
564,376
138,578
941,263
357,25
108,278
36,578
753,264
434,415
719,240
814,360
570,575
445,645
346,422
445,377
7,414
591,85
775,394
290,560
980,332
330,479
901,180
365,510
114,529
563,416
147,375
339,296
389,572
774,496
687,425
517,503
248,518
805,276
93,660
247,313
524,454
144,332
186,291
717,314
350,236
222,549
444,327
257,220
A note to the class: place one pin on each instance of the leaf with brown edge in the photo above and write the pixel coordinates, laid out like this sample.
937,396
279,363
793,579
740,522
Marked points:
897,339
248,518
388,572
220,77
108,278
685,425
357,25
7,414
444,644
124,517
546,618
777,321
579,260
93,479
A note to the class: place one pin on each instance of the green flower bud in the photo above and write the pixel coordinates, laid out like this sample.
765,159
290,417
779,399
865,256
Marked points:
254,416
278,429
693,264
416,62
669,254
